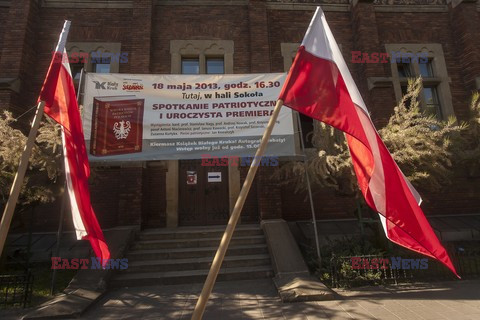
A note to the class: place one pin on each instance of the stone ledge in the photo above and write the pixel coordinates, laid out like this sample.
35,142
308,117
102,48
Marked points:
293,280
338,7
411,8
64,306
10,84
110,4
298,288
87,286
379,82
201,3
284,252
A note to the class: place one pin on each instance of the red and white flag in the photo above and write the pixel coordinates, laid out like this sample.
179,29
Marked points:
320,86
58,93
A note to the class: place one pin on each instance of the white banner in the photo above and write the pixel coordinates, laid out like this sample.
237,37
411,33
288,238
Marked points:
157,117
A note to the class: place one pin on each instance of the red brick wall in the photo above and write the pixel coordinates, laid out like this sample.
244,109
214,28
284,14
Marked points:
154,201
258,31
145,33
290,26
88,25
327,205
3,18
116,195
200,23
464,20
268,194
250,208
399,28
462,197
141,36
18,52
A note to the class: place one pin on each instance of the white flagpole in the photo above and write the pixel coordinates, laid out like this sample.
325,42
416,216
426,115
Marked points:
19,177
232,222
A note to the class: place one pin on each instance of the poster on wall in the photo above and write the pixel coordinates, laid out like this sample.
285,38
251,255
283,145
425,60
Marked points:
214,176
191,177
167,117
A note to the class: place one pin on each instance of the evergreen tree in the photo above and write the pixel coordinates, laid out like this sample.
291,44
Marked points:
423,147
44,162
468,146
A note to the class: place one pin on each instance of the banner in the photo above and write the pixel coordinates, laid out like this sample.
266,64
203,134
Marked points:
166,117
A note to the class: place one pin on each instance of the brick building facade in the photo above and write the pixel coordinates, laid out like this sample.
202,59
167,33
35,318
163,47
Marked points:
256,36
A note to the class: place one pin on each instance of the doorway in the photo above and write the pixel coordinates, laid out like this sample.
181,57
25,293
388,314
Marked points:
203,194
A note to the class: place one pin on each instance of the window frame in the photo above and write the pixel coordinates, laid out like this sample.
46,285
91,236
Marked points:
440,79
203,49
289,51
189,59
214,58
89,47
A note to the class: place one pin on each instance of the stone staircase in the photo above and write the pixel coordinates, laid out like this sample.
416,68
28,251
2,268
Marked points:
184,255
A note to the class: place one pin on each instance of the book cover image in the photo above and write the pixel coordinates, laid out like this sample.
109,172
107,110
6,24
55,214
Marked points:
117,125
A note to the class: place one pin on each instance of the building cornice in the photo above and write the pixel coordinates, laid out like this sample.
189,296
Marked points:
290,5
201,3
87,4
411,8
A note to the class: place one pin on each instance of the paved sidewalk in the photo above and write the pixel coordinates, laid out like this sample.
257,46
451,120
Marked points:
458,300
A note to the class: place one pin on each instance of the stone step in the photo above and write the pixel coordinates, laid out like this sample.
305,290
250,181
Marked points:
195,243
186,253
188,276
197,232
197,263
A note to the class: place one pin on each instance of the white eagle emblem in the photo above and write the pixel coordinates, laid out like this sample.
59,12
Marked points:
121,129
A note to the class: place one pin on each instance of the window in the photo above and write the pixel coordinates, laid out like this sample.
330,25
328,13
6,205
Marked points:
432,106
95,56
307,130
289,51
427,61
96,62
101,67
190,66
201,56
76,69
404,70
426,69
430,92
215,66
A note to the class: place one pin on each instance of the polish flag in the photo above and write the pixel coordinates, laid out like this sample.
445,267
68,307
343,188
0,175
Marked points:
58,93
320,86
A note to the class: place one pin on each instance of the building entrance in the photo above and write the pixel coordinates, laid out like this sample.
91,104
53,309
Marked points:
203,194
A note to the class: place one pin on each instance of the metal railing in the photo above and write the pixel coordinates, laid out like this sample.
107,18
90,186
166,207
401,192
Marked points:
344,273
16,290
